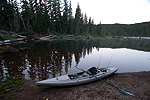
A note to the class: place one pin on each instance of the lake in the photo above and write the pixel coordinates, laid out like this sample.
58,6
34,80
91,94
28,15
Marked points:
49,59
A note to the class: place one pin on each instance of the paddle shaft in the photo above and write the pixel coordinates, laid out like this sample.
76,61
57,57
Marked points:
124,92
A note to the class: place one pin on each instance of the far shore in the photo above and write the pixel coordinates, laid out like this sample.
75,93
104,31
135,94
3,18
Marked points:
136,83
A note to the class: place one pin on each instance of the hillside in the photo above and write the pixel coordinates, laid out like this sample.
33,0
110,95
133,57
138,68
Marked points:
138,29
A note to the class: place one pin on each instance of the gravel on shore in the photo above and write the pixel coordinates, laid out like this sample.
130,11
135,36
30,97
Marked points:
137,83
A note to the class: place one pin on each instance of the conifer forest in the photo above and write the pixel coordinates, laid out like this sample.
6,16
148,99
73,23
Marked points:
56,17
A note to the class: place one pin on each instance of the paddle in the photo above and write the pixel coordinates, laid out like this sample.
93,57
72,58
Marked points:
124,92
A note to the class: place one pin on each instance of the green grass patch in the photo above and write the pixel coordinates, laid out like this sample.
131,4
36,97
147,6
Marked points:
3,49
25,33
8,37
10,88
70,37
97,36
3,32
59,35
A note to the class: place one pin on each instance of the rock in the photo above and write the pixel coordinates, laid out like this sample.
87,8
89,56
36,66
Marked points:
55,37
33,37
23,49
88,37
36,38
11,49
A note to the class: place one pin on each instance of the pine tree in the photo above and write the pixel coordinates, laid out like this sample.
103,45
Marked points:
59,18
65,17
77,20
90,26
54,12
26,15
16,17
3,14
6,14
81,28
99,27
85,24
70,29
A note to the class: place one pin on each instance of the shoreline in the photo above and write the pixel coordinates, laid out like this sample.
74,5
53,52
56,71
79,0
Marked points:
136,83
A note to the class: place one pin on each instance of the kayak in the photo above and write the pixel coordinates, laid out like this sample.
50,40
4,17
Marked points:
77,78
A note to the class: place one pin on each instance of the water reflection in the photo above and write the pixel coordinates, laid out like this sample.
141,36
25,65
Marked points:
55,58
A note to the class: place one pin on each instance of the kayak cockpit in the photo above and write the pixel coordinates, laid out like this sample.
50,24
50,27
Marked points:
77,76
88,73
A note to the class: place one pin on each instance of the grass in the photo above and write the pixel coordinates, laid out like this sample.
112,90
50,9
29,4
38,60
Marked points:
3,49
10,88
3,32
25,33
59,35
8,37
70,37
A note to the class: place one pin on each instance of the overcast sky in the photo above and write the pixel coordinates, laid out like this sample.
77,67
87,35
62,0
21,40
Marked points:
115,11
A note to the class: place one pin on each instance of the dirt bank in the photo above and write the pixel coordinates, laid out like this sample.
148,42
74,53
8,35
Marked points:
137,83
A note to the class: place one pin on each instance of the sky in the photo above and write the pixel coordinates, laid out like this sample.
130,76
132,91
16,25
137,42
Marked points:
114,11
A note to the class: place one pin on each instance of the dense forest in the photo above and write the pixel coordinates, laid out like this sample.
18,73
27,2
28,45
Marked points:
138,29
56,17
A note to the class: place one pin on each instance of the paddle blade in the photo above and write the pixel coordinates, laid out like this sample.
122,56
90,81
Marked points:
127,93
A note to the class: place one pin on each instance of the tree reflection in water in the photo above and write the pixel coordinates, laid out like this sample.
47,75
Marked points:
54,58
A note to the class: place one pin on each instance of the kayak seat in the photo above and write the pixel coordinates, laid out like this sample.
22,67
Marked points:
93,71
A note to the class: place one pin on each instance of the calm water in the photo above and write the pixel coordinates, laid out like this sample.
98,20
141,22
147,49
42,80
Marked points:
54,58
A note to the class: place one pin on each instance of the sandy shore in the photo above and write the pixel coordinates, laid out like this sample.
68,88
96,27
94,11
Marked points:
136,83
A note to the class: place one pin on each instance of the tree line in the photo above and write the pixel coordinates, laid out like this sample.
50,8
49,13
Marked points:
137,29
44,16
56,17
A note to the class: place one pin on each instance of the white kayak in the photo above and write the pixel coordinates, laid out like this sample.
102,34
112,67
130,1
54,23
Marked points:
77,78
